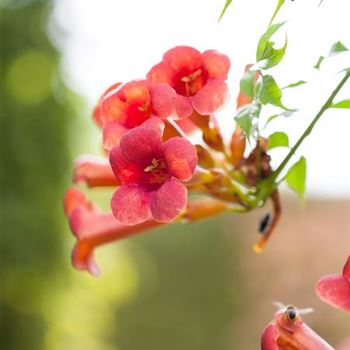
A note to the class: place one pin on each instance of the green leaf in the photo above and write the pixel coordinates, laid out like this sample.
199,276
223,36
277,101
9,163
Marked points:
286,114
319,62
246,115
278,139
296,177
271,93
273,56
278,7
341,104
337,48
297,83
245,123
227,4
247,84
264,45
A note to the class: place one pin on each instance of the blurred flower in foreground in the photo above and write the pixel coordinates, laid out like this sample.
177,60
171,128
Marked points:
287,331
335,289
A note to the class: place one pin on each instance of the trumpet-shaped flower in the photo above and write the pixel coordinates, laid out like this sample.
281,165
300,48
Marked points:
197,78
93,228
123,107
335,289
287,330
94,171
151,173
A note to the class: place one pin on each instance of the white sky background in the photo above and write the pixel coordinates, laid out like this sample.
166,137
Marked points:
105,41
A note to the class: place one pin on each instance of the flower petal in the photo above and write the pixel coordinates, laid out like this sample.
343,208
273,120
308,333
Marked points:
135,90
216,64
269,338
73,198
131,204
346,269
112,132
183,106
154,123
163,99
334,290
94,171
186,126
161,73
127,172
98,113
210,97
183,57
181,158
168,201
141,145
112,108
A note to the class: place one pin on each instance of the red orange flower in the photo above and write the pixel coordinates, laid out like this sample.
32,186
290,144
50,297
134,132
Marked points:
123,107
287,330
94,171
93,228
197,78
335,289
151,173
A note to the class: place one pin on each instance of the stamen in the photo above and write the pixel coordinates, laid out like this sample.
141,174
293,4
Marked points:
142,108
194,75
152,167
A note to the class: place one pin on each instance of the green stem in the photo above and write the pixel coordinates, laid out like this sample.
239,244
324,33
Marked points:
309,128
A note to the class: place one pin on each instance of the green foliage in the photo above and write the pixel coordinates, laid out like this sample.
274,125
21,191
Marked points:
265,48
227,4
293,85
246,116
341,104
273,56
247,84
296,177
337,48
35,154
277,9
319,62
278,139
271,92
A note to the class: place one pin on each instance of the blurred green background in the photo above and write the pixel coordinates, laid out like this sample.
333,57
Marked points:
184,287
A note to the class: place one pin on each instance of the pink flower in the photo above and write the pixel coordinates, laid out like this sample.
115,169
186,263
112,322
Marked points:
92,228
151,173
123,107
197,78
128,103
287,330
335,289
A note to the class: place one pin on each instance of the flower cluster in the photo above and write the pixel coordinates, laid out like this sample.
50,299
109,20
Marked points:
151,162
184,81
153,165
